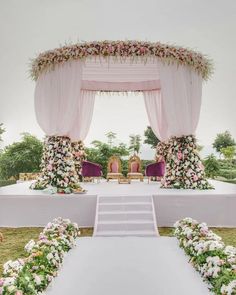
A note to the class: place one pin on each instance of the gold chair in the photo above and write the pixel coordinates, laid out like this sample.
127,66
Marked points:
134,168
114,168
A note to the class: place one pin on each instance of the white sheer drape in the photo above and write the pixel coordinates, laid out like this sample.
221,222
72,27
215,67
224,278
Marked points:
56,98
156,114
181,90
84,115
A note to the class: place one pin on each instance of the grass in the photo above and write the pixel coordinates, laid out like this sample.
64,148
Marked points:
15,239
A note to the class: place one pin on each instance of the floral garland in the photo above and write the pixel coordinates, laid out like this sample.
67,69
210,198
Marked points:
47,61
184,168
209,255
78,152
33,274
57,168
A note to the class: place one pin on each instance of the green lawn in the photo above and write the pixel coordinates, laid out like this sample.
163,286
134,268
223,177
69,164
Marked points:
15,239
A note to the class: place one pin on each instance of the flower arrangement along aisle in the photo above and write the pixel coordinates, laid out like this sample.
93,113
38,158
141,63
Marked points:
32,275
184,168
58,168
78,152
209,255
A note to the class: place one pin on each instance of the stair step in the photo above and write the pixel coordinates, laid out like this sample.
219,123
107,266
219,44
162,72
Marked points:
128,226
125,199
124,216
138,233
124,207
124,212
136,221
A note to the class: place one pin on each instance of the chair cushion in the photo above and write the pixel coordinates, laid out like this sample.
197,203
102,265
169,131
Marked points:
114,167
134,167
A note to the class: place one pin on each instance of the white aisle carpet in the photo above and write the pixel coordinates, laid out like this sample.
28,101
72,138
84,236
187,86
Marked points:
127,266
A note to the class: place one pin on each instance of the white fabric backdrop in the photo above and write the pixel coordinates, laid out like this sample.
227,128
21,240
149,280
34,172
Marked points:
156,114
56,98
84,115
181,89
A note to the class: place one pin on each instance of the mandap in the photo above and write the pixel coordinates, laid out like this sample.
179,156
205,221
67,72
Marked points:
170,78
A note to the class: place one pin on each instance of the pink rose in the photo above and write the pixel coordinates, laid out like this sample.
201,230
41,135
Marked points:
49,167
19,293
195,177
179,155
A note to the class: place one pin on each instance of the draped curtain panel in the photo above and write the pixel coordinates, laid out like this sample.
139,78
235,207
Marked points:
57,98
84,115
156,114
181,90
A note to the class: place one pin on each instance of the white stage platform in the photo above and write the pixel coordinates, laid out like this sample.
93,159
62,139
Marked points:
20,206
127,266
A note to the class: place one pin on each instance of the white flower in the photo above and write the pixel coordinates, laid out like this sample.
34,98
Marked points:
29,246
49,256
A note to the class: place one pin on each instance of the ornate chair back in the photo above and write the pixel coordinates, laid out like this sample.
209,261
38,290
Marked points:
114,165
134,165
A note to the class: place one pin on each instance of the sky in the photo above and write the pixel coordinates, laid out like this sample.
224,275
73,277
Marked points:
28,27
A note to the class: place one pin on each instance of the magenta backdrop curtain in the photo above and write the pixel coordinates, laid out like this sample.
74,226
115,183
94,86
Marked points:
56,98
181,90
84,115
156,114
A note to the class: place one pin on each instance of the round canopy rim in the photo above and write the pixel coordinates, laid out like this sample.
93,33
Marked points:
121,50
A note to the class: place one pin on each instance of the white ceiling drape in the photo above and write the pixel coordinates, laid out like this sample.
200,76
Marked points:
84,115
156,114
172,94
56,98
181,90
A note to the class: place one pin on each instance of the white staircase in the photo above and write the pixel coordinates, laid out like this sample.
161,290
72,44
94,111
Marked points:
125,216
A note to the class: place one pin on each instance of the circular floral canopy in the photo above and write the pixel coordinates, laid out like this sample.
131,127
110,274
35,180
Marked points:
47,60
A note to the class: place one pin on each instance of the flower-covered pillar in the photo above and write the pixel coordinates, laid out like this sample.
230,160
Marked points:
79,155
58,167
181,90
56,102
162,149
184,168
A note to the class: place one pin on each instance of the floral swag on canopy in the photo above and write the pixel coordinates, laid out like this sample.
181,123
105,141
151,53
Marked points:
67,79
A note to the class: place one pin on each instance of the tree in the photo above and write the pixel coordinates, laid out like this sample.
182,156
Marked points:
223,140
100,152
2,130
135,143
110,136
212,166
228,152
21,157
150,137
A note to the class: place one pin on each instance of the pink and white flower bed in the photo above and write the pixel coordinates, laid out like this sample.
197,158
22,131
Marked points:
215,261
32,275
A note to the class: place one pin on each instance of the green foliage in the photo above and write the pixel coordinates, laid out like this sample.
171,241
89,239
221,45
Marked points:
227,173
212,166
135,143
100,152
23,156
150,138
2,130
110,136
7,182
223,140
228,152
